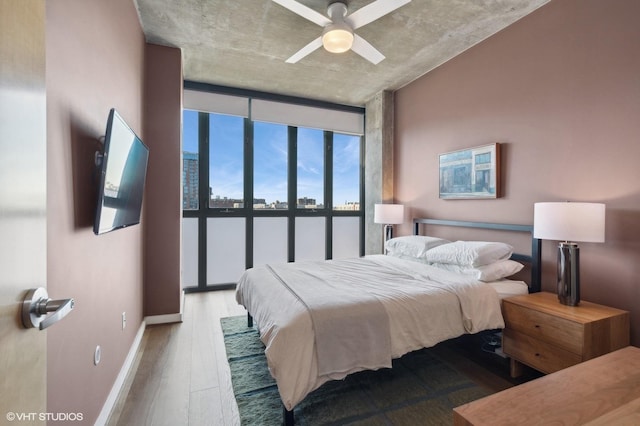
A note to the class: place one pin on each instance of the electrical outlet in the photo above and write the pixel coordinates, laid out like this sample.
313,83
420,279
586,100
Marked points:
124,320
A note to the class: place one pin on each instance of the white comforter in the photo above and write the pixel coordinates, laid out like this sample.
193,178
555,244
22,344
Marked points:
423,305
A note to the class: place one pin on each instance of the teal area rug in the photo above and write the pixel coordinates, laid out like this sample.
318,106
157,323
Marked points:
420,389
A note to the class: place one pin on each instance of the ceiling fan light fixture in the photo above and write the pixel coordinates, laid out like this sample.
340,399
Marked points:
337,38
338,28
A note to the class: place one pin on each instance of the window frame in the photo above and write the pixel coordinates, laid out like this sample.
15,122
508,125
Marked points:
205,211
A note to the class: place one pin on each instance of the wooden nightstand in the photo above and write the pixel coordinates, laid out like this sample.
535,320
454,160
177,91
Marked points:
548,336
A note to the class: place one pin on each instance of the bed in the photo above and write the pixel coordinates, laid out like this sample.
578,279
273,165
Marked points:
323,320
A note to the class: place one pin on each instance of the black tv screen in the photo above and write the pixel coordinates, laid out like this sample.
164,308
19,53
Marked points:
122,176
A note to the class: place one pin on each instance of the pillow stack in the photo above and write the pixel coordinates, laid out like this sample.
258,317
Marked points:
486,261
413,247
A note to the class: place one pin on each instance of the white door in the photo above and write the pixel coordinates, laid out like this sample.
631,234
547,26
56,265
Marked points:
23,216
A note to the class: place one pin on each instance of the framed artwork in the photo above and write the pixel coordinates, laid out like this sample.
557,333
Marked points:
470,173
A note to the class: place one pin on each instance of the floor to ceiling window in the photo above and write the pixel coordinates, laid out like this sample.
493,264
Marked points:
267,181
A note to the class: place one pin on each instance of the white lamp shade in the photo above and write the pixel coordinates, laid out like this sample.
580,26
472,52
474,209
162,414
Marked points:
389,214
567,221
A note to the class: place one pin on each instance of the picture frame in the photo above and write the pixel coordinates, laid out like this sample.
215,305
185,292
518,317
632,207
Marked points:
472,173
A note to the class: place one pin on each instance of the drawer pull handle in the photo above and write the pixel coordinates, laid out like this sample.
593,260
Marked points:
536,326
537,354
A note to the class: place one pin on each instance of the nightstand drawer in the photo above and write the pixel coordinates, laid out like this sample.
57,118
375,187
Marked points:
536,353
558,331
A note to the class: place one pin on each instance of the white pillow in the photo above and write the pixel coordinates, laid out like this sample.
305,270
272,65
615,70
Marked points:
412,246
491,272
469,253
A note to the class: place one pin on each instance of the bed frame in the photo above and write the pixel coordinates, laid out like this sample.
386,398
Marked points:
534,259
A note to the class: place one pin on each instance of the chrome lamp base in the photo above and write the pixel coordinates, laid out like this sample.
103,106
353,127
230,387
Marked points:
569,274
388,232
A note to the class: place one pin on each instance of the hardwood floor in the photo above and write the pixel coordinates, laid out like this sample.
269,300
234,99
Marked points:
181,376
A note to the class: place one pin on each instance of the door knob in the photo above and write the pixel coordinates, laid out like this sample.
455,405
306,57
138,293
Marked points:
37,305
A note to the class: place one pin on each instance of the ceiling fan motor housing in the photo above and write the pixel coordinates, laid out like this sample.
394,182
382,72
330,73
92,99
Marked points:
337,10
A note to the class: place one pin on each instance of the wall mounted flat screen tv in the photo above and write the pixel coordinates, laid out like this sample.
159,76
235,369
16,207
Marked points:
122,173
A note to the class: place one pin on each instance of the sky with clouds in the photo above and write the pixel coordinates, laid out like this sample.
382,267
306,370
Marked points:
270,160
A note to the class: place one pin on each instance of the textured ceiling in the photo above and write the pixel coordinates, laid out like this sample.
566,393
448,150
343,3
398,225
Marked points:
244,43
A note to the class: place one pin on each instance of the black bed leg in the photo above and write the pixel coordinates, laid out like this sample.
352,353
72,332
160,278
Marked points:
249,320
287,416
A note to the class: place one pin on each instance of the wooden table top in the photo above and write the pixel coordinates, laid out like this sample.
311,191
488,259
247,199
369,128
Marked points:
601,391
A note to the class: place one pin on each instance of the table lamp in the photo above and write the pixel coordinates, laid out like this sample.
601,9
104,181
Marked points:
389,214
569,223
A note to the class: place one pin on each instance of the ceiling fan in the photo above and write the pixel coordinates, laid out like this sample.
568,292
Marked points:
338,35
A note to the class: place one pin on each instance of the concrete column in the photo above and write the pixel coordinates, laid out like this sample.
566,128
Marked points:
378,165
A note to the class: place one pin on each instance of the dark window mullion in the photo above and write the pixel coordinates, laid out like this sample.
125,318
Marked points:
203,195
362,197
328,174
248,191
292,203
328,193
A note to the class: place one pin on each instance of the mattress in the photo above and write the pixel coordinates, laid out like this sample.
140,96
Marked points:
508,288
426,306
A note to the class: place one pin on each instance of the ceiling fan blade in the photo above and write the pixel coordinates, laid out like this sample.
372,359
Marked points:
373,11
363,48
315,44
304,11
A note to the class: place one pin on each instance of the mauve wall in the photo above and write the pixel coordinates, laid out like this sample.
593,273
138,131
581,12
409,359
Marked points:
163,204
561,89
95,61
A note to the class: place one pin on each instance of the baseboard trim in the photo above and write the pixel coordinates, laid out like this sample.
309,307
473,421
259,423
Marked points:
112,398
163,319
122,376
